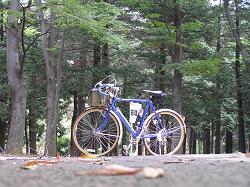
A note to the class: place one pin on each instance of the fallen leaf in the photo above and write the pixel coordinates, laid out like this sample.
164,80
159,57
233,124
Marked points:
34,163
149,172
111,170
30,165
87,156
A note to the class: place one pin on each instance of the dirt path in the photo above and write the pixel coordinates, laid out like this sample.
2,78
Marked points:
180,171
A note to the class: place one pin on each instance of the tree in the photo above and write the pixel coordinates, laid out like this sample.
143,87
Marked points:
53,72
17,82
241,132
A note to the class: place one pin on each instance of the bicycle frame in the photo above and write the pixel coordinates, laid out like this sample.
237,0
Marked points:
135,133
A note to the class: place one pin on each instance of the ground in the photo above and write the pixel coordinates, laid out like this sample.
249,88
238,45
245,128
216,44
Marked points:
179,171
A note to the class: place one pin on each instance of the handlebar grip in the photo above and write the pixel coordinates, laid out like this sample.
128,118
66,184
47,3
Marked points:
104,86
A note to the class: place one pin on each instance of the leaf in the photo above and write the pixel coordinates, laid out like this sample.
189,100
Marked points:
149,172
114,170
30,165
87,156
111,170
34,163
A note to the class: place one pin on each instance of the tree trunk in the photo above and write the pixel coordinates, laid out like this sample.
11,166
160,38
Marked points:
105,53
242,48
17,84
2,134
160,73
73,149
98,74
192,143
241,132
53,72
229,141
212,139
26,137
217,110
176,57
217,131
206,140
80,104
32,129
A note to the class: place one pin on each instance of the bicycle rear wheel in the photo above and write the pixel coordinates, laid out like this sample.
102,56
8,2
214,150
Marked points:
167,130
89,138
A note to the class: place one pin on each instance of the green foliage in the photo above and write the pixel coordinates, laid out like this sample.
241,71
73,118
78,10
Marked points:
201,67
63,146
99,19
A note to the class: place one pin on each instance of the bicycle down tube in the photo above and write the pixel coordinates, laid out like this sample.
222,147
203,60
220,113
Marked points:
116,110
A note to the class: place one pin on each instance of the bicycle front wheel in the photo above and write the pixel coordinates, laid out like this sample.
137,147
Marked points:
92,135
164,133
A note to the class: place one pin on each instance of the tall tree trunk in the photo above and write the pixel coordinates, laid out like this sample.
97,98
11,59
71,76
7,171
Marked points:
212,139
177,59
105,53
53,71
217,109
17,84
160,73
217,132
73,149
206,140
192,143
98,74
229,141
32,129
80,104
2,134
242,48
52,97
241,132
26,137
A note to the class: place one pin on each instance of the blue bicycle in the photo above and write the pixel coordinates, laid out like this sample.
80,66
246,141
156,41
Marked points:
98,129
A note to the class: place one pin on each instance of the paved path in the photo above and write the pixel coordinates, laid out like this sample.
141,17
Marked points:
179,171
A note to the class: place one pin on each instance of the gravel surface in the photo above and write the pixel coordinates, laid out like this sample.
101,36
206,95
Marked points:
179,170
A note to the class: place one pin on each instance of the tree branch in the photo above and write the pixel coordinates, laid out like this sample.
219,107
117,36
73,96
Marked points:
244,52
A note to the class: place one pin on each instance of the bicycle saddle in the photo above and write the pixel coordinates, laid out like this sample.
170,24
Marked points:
156,93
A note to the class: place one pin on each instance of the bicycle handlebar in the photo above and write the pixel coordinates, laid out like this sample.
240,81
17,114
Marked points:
109,88
104,86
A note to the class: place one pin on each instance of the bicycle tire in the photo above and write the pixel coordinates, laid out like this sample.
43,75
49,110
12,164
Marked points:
96,143
174,129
